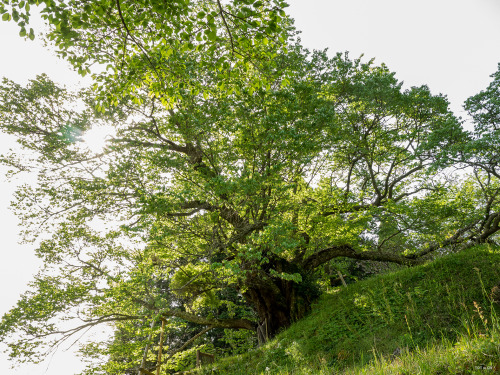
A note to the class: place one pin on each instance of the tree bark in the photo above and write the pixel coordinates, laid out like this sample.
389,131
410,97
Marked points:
279,302
214,323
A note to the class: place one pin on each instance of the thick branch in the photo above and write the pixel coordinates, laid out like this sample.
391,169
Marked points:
194,207
169,145
214,323
491,226
458,237
227,213
348,251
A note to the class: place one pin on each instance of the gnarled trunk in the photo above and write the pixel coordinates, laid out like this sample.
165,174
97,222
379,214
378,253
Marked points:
279,302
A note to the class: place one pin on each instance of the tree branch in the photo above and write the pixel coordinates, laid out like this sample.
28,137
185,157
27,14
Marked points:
214,323
348,251
184,346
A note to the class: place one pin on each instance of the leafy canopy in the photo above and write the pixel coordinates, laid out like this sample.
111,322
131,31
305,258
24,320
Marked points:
241,167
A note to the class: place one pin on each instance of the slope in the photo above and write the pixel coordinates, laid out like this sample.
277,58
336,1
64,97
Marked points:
385,318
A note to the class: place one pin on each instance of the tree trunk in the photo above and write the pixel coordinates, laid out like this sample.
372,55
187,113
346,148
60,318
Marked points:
279,302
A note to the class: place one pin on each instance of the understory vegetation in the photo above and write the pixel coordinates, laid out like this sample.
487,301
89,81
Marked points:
437,318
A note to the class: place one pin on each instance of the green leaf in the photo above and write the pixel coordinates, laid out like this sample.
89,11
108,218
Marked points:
212,35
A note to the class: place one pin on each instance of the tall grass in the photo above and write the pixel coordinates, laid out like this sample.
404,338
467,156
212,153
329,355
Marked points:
432,319
475,351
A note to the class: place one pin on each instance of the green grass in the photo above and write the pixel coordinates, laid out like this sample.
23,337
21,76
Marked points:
469,355
438,316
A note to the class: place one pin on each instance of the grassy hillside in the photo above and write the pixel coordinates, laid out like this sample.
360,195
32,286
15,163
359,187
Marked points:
436,318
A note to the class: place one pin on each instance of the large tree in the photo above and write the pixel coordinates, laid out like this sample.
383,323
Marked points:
238,169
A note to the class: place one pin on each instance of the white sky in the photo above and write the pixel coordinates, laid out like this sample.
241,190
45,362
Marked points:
453,46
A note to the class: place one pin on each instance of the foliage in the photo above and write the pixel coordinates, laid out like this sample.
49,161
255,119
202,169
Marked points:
239,167
482,151
160,48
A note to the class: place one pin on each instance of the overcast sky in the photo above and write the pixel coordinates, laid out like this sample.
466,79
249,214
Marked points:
453,46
